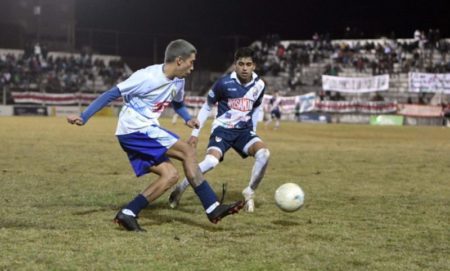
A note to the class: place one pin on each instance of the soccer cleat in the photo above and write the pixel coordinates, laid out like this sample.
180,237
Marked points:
249,196
223,210
129,222
175,197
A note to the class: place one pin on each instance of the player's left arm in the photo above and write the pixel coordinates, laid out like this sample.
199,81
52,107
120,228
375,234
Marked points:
257,106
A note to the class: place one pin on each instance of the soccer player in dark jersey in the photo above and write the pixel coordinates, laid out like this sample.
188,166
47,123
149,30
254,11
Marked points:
238,96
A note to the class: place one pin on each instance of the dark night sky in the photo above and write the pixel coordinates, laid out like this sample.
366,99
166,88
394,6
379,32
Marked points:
252,19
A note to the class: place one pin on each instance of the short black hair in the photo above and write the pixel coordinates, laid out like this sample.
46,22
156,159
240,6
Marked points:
244,52
178,48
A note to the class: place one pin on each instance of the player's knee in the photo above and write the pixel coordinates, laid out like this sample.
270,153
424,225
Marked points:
263,155
172,177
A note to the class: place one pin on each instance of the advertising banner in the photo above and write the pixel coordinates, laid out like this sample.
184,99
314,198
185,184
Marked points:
429,82
6,110
413,110
355,84
386,120
30,111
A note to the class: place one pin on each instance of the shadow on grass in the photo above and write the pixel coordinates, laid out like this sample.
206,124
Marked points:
285,223
25,225
153,213
160,219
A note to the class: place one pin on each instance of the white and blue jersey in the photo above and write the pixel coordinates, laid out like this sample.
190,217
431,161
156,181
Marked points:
236,103
146,93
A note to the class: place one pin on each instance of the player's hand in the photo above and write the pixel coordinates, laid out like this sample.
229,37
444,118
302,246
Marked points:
75,119
193,123
193,141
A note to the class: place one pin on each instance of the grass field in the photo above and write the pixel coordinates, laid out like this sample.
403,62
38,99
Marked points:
377,198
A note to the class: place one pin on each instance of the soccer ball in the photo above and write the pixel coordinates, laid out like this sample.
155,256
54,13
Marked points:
289,197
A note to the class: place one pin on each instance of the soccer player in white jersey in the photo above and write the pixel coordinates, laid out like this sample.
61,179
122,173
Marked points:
146,93
274,109
238,96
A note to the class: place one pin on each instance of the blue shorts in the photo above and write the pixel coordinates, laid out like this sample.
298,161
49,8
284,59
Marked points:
146,150
240,140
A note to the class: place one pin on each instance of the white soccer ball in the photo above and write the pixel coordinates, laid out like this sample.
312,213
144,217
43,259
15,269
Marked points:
289,197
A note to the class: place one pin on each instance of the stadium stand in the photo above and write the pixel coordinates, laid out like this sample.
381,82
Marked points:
296,67
59,72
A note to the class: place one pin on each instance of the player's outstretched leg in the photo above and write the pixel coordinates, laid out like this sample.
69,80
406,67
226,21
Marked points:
214,210
206,165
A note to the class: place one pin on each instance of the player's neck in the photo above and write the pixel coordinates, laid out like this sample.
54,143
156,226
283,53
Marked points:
243,81
169,71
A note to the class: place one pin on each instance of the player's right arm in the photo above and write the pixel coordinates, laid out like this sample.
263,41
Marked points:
205,111
201,118
95,106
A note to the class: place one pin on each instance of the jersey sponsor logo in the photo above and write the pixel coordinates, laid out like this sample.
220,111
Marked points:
232,89
211,93
218,139
241,104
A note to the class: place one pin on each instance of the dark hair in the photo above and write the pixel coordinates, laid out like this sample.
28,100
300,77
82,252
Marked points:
244,52
178,48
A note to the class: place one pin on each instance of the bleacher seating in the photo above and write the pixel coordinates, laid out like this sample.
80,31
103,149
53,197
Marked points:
296,67
59,72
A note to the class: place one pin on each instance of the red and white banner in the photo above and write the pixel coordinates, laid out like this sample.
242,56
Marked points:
56,99
356,106
412,110
355,84
287,104
429,82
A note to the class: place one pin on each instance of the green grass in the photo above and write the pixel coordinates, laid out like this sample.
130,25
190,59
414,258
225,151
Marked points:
377,198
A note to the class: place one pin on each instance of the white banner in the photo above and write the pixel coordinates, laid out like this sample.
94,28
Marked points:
429,82
356,106
355,84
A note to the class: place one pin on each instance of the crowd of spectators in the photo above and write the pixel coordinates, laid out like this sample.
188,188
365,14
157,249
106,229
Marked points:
364,56
39,70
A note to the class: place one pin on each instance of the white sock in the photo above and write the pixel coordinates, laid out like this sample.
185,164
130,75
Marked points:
259,168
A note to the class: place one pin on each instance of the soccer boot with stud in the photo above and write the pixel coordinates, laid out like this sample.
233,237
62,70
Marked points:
223,210
129,222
